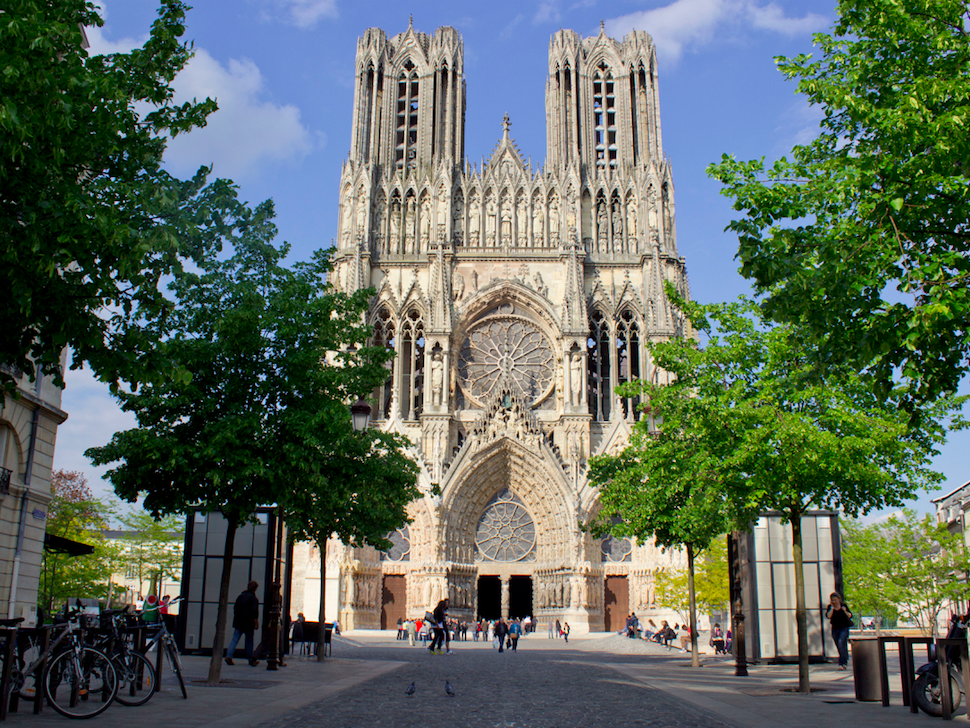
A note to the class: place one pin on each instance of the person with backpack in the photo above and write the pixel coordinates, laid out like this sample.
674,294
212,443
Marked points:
515,631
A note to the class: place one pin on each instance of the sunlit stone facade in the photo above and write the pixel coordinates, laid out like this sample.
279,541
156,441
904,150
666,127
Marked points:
515,300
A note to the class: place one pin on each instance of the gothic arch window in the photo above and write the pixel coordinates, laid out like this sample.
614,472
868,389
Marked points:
400,546
412,363
505,531
598,363
604,117
406,131
628,358
385,331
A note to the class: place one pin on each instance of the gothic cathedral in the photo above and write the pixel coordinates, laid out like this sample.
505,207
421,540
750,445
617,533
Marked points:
515,299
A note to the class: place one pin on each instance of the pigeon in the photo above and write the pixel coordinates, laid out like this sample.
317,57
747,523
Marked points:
410,691
450,690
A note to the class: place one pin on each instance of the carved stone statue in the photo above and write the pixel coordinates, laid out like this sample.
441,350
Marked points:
458,217
576,378
458,287
437,378
537,227
541,288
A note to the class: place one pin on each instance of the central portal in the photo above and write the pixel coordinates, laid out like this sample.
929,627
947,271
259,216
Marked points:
520,596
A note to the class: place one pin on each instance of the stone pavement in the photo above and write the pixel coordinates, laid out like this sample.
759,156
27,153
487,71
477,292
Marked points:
596,680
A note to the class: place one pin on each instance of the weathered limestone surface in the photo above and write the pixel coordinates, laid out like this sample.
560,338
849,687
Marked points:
515,298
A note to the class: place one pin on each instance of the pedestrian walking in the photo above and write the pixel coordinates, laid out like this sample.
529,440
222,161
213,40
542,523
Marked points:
558,629
412,630
515,631
565,631
552,629
840,618
501,632
245,620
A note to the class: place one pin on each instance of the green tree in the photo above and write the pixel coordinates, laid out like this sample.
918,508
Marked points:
862,236
663,485
780,435
928,568
356,488
710,583
90,222
75,514
865,566
225,440
152,548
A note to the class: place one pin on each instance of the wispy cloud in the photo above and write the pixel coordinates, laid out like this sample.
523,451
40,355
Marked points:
302,13
247,130
507,30
685,24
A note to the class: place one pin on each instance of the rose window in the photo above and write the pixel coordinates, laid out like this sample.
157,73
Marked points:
616,549
400,546
509,345
505,531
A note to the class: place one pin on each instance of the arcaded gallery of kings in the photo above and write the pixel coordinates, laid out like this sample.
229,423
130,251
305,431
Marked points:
516,299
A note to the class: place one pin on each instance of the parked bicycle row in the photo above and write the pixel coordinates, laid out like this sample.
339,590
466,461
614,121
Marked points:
81,664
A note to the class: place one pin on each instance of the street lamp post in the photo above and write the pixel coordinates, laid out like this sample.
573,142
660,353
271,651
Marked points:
360,414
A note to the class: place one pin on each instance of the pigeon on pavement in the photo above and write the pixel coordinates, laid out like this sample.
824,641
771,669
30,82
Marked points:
450,690
410,691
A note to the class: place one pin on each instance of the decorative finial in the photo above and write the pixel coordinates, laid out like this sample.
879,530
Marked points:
410,22
602,27
506,124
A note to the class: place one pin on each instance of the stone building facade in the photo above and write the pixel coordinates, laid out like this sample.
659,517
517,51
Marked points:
28,430
516,299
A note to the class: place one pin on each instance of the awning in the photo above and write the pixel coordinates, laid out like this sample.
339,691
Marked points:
61,545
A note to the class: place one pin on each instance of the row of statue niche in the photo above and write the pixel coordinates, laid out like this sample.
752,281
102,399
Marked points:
559,592
361,592
406,228
646,597
535,282
461,592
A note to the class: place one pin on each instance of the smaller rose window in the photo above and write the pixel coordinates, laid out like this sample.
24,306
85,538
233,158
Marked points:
400,546
616,549
506,531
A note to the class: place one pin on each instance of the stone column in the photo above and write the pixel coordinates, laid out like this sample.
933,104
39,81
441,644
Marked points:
505,597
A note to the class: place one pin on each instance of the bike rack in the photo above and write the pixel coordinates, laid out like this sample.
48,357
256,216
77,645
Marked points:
907,667
9,635
942,643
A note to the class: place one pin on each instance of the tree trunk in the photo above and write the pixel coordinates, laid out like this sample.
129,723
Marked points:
801,618
694,660
322,635
219,643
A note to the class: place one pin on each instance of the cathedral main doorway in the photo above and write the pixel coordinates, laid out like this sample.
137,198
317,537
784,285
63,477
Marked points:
520,596
489,597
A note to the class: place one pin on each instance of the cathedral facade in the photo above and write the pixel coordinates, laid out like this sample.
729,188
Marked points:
515,299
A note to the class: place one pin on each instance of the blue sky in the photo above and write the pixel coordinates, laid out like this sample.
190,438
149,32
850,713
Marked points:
282,72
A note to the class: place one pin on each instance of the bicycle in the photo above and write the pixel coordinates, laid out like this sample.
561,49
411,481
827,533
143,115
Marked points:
137,680
163,640
78,681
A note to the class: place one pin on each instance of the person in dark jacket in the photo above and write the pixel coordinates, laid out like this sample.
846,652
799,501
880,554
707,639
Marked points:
501,631
245,621
841,619
440,615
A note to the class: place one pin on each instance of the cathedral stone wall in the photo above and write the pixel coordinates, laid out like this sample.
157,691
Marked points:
515,299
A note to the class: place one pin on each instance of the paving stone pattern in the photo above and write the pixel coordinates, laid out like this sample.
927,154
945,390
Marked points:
534,687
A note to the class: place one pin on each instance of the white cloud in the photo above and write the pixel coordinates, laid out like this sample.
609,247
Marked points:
246,132
302,13
689,23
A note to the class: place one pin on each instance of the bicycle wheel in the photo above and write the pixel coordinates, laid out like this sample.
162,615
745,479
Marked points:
137,681
26,684
80,686
173,658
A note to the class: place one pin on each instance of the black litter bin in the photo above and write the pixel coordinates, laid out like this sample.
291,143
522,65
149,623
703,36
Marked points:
866,668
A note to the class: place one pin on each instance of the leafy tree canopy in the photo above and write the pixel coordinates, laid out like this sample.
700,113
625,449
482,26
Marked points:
90,222
862,236
910,565
74,513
